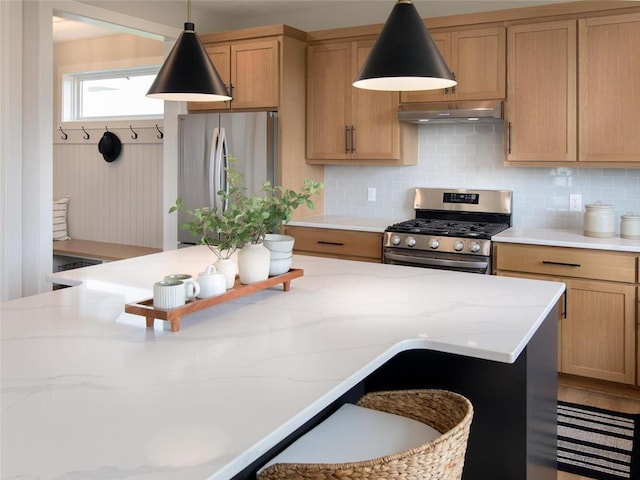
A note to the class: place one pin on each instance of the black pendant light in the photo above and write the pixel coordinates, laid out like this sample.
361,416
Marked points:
404,57
188,75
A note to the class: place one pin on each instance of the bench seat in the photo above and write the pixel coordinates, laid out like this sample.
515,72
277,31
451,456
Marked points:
103,251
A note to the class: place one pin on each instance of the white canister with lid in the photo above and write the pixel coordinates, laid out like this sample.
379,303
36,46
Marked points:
599,220
630,226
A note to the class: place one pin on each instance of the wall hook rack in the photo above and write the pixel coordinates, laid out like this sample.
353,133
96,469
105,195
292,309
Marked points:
64,135
135,134
86,134
160,134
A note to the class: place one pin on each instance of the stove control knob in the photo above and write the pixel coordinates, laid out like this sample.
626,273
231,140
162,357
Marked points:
410,241
395,240
434,243
458,246
474,247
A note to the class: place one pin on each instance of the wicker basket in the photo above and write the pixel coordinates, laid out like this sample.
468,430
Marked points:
441,459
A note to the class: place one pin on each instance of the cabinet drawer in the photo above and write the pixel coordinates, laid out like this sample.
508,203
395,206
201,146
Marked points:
566,262
329,242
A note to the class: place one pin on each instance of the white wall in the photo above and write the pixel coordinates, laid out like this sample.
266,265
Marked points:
10,149
29,172
466,156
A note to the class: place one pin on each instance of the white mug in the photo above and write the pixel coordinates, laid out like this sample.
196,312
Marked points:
190,286
211,282
168,294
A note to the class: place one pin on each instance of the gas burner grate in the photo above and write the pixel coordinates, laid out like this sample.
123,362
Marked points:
448,228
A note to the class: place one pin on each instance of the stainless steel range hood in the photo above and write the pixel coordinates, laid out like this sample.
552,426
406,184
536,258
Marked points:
452,112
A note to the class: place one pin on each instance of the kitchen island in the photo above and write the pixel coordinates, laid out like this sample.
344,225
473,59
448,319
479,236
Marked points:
89,392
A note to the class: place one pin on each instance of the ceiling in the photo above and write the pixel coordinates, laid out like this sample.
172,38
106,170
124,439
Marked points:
245,10
65,30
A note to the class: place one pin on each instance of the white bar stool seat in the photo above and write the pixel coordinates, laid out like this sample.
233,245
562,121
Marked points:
411,434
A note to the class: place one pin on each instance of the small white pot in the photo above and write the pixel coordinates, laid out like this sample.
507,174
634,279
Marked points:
253,263
229,269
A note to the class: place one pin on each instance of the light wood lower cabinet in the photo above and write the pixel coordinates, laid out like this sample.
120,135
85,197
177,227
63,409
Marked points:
599,333
598,329
345,244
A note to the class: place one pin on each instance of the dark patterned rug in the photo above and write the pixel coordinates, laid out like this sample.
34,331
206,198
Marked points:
598,443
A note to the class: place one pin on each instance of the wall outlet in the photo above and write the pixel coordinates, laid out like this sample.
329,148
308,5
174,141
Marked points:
371,194
575,202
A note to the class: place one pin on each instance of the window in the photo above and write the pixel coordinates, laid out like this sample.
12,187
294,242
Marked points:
110,94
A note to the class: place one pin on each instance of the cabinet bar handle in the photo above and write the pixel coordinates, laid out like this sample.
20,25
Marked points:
338,244
509,138
346,139
353,139
563,264
453,89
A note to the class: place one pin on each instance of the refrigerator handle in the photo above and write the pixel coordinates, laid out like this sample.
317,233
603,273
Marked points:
212,167
221,155
223,166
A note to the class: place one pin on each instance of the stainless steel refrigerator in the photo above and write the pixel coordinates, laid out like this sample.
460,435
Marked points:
205,142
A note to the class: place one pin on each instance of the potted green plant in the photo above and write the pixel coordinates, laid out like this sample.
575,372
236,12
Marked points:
246,220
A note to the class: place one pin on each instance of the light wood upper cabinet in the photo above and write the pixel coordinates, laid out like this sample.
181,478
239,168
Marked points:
609,91
443,42
375,132
250,70
347,124
574,103
328,101
476,58
541,102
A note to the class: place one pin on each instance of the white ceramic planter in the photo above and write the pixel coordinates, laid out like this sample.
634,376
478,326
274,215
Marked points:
229,269
253,263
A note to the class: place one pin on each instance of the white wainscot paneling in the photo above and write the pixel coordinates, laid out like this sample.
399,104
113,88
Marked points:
119,202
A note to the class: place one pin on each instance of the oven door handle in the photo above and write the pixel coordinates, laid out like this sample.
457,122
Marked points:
437,262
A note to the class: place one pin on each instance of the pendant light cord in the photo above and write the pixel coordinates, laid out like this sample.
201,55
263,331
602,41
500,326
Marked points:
189,11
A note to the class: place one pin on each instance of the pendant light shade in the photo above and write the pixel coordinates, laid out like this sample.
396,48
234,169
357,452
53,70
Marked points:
404,57
188,73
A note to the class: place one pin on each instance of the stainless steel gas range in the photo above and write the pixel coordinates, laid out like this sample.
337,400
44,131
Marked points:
452,229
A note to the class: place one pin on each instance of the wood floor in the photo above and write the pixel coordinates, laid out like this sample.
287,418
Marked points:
597,394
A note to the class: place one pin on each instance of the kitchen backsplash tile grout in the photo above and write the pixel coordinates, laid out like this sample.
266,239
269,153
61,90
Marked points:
469,156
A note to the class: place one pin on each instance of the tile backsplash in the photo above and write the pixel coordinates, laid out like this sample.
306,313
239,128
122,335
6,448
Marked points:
471,156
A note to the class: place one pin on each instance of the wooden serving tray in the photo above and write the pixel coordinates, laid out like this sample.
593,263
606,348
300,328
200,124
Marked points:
146,309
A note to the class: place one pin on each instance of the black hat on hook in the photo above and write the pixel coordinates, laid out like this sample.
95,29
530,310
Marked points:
110,146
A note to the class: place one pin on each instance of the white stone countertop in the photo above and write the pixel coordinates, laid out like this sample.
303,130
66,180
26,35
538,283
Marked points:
564,238
362,224
89,392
